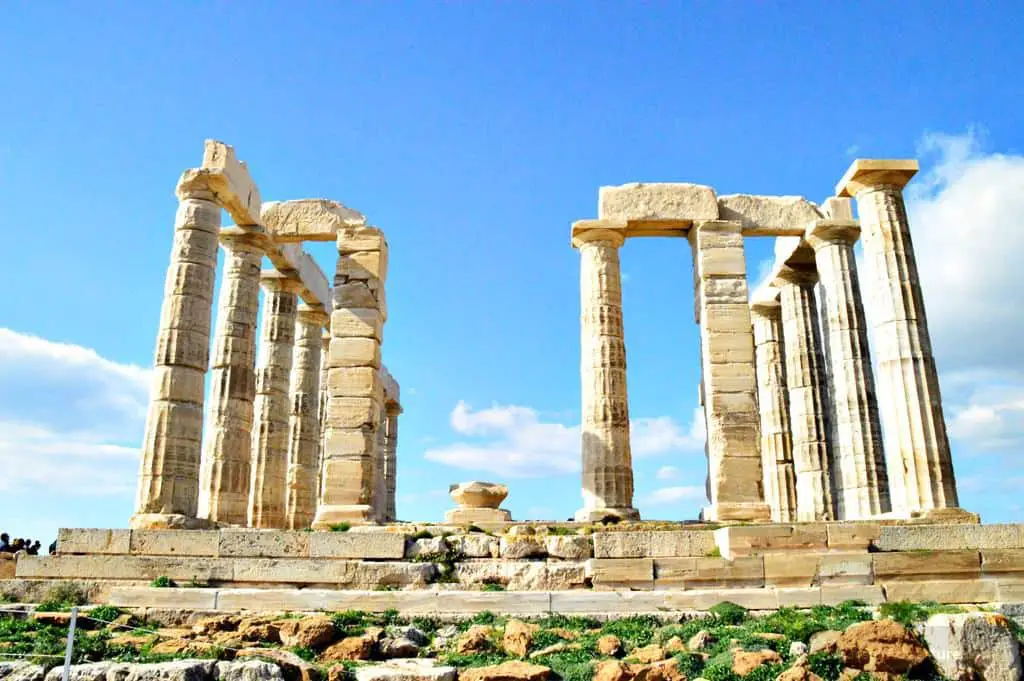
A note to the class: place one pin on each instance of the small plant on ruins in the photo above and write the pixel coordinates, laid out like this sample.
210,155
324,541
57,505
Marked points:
307,654
479,530
727,612
340,527
569,622
163,582
826,665
570,665
421,534
493,586
62,597
350,623
907,613
635,631
486,617
105,613
556,531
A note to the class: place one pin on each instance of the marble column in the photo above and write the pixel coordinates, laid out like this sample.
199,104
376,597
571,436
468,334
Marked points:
806,381
773,403
168,486
304,421
728,381
325,348
391,461
227,450
920,463
858,462
380,489
607,461
268,485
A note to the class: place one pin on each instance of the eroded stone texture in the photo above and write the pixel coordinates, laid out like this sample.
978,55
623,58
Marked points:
920,463
227,450
735,482
607,461
308,219
766,215
657,204
270,434
858,463
392,411
169,472
304,420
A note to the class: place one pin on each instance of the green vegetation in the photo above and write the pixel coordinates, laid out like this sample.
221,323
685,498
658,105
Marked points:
494,586
340,527
635,631
826,665
729,613
714,553
105,613
163,582
63,597
907,613
561,531
422,534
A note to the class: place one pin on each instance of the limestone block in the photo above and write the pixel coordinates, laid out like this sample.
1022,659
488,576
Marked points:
790,569
837,208
358,239
942,591
920,565
699,573
353,412
472,516
357,322
465,602
834,594
348,574
652,544
640,203
704,599
798,597
263,544
132,568
757,539
625,573
308,219
853,536
153,597
363,266
514,547
768,215
405,670
974,645
70,541
845,568
522,575
353,352
354,293
569,548
477,545
1003,562
174,542
353,382
367,545
345,443
235,188
939,537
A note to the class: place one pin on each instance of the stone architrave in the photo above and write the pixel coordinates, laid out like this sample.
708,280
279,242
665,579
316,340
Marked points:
270,437
227,452
806,381
773,403
168,489
920,463
729,383
304,421
606,458
392,411
858,462
355,391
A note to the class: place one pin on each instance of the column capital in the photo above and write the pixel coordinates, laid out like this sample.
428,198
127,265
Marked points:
590,231
871,173
278,281
729,226
252,239
198,183
821,233
798,276
314,314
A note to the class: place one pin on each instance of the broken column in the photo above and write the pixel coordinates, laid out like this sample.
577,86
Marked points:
392,411
227,451
735,482
858,469
911,404
270,437
607,461
168,488
304,420
355,392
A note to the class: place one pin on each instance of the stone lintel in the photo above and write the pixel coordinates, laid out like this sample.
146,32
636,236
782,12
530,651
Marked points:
275,278
658,205
236,189
253,236
865,173
308,219
291,259
314,313
768,215
584,231
837,208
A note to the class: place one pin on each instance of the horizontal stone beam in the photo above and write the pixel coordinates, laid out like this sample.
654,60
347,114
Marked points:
308,219
768,215
291,260
236,191
657,208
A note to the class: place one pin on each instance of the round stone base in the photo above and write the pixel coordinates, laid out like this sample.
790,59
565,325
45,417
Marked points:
169,521
356,514
460,516
593,515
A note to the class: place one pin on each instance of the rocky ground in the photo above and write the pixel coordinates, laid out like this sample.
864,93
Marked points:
844,643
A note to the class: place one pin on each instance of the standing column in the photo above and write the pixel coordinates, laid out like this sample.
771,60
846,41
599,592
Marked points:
304,423
920,462
168,487
805,382
391,460
729,381
858,461
773,403
355,392
227,451
325,348
607,461
380,489
270,440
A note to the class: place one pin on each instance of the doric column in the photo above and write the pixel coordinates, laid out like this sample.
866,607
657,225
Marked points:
355,392
858,462
227,450
304,422
168,487
325,348
391,460
773,403
606,457
729,381
806,382
270,437
380,488
920,464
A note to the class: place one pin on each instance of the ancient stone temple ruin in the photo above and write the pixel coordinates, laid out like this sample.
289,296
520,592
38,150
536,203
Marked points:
303,435
794,428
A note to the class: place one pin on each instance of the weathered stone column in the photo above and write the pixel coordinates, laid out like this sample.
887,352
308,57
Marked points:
773,402
325,349
270,437
806,382
607,461
729,382
858,461
920,463
355,392
391,460
168,487
380,489
304,422
227,450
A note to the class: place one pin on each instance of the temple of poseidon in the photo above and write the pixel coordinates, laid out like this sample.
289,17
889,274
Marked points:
272,487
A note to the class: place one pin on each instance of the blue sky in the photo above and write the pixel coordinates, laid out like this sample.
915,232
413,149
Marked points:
474,134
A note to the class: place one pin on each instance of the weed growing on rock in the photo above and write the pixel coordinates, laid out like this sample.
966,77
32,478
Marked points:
729,613
63,597
826,665
422,534
163,582
636,631
340,527
493,586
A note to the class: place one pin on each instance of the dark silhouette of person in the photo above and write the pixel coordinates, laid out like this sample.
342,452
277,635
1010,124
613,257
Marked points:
5,543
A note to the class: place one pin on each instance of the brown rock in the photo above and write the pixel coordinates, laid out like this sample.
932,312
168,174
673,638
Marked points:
664,670
477,639
699,641
212,625
798,673
293,667
133,641
506,671
228,639
517,637
882,646
746,661
259,630
768,636
59,619
567,634
824,642
559,647
351,648
612,670
648,654
674,645
610,645
181,646
308,632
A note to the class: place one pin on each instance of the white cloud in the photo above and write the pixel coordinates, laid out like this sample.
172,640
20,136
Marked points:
672,495
667,473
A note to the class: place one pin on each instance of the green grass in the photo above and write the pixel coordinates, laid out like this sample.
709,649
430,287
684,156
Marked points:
570,622
561,531
826,665
163,582
493,586
714,553
340,527
62,597
635,631
422,534
105,613
906,613
729,613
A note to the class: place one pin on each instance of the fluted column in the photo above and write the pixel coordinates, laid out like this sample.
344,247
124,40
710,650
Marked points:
270,437
607,461
858,461
325,348
391,461
168,486
227,450
728,382
380,489
304,421
773,403
806,384
920,463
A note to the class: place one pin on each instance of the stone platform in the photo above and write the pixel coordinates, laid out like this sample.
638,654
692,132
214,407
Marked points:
528,570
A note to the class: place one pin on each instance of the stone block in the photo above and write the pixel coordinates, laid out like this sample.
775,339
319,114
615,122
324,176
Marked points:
746,540
353,352
768,215
305,600
353,382
472,602
75,541
1007,563
230,180
364,265
364,545
704,599
354,413
515,547
621,573
153,597
852,536
263,544
798,597
652,544
834,594
700,573
308,219
845,568
128,568
357,239
357,322
790,569
473,516
640,203
941,537
942,591
569,547
921,565
522,575
348,442
174,542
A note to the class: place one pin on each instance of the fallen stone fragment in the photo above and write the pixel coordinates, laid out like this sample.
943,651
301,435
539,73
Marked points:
406,670
612,670
801,673
393,648
178,670
746,661
351,648
293,667
248,670
674,645
507,671
477,639
974,645
517,637
610,645
309,632
824,642
699,641
648,654
883,646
